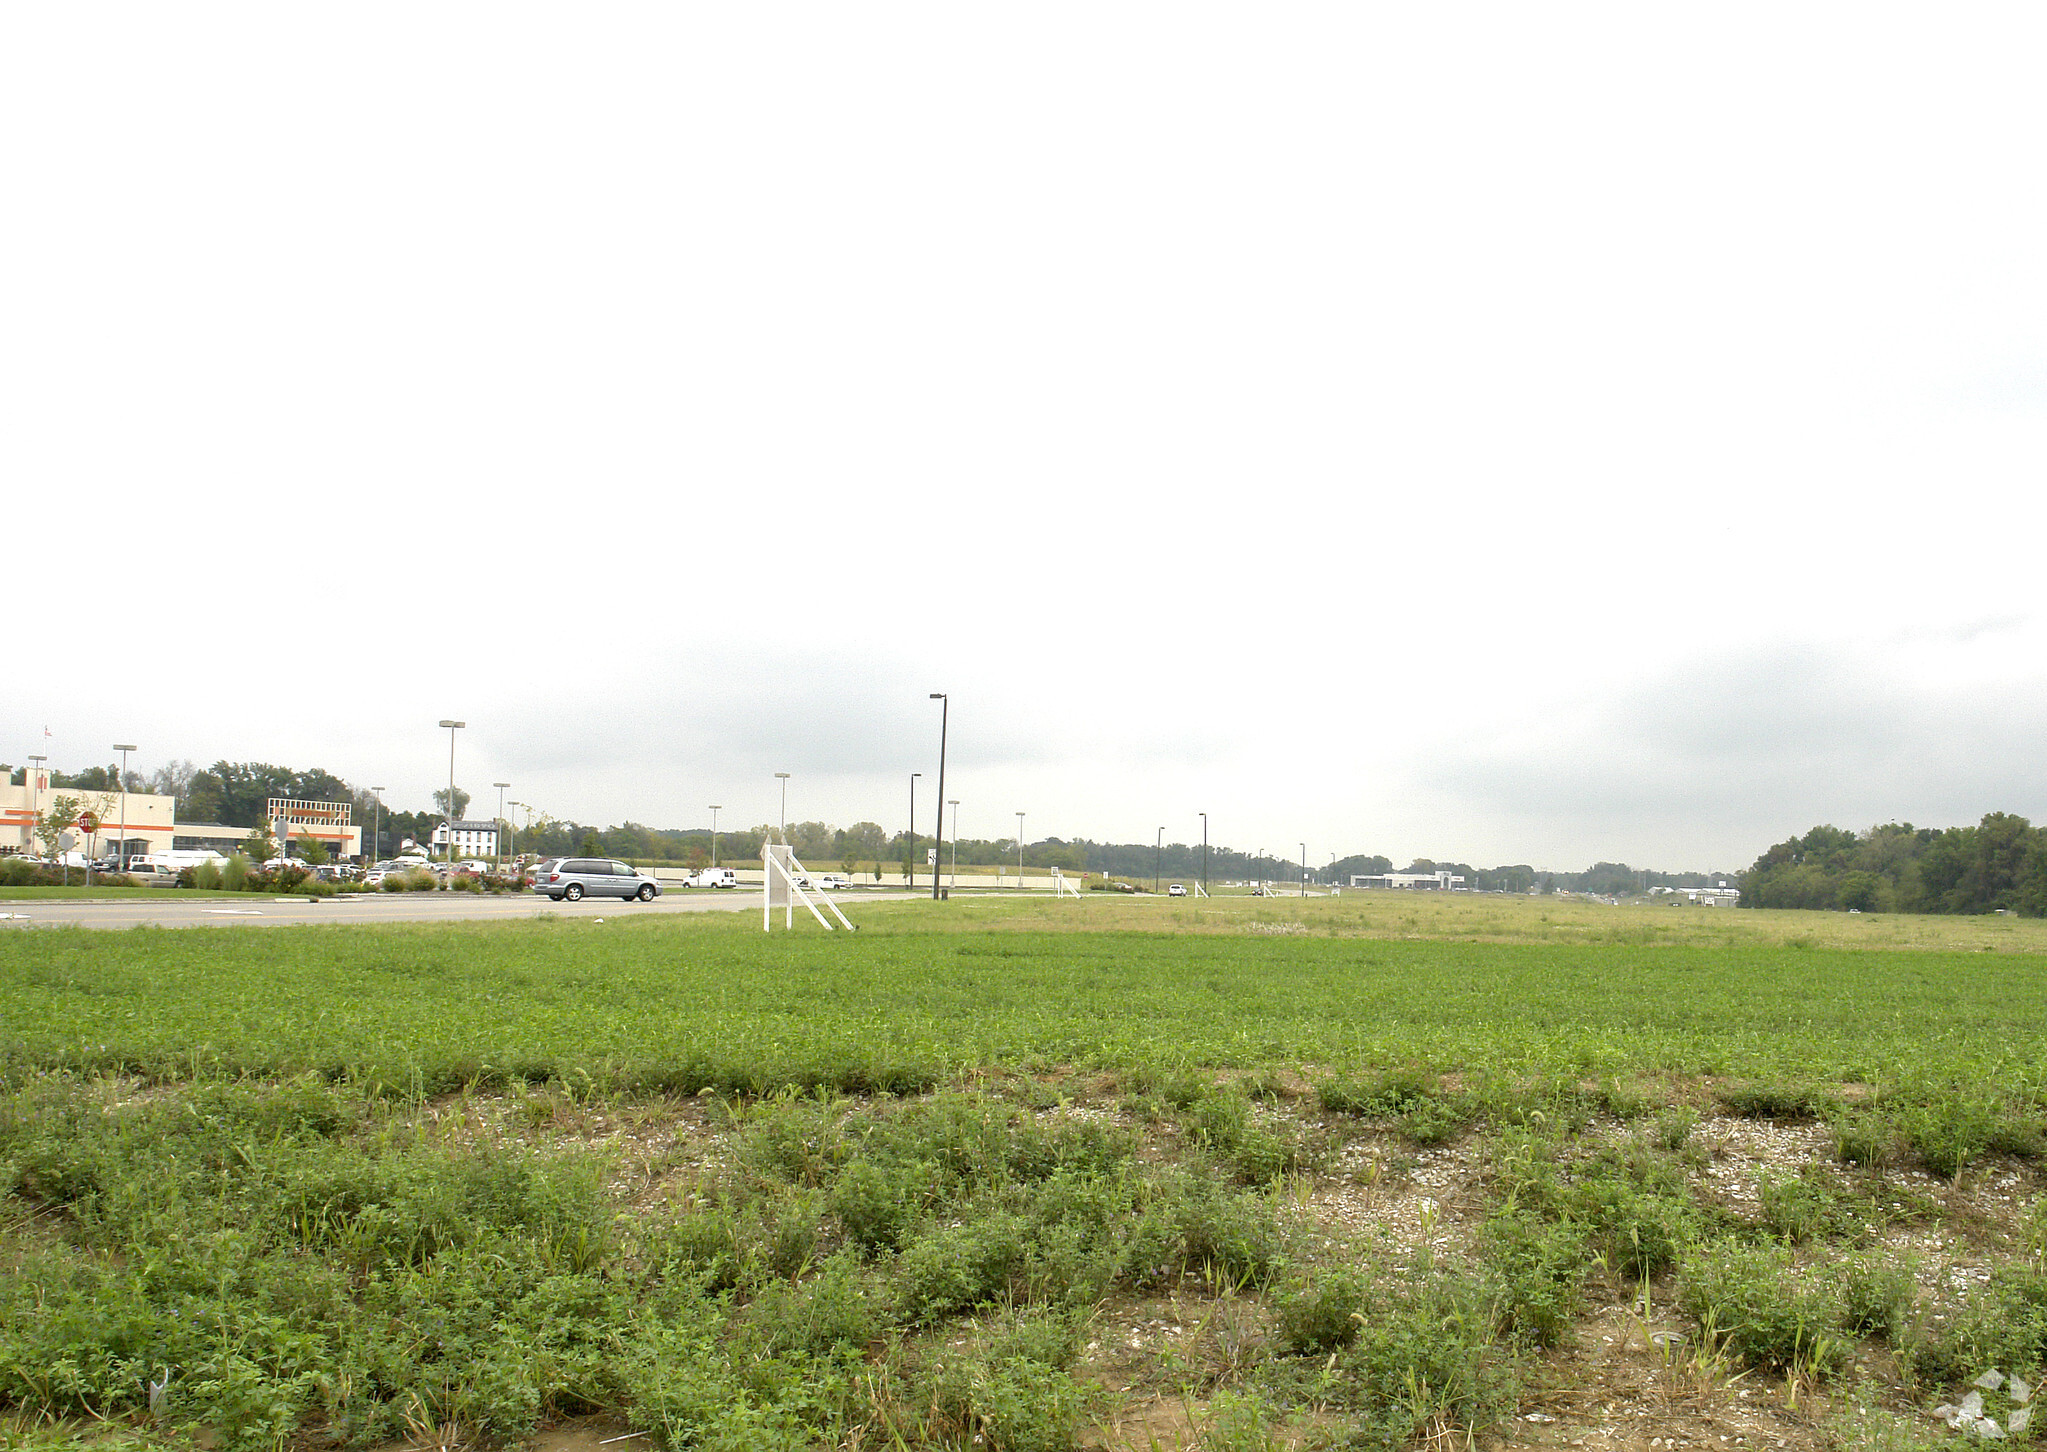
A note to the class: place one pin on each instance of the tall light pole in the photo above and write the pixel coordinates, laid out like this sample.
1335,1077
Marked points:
944,721
451,727
910,844
1204,854
955,843
513,823
1304,869
714,834
783,777
1158,853
497,837
376,851
123,849
1019,851
35,801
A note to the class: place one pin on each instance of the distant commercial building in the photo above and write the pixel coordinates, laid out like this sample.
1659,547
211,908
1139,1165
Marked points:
1441,880
331,824
150,822
472,839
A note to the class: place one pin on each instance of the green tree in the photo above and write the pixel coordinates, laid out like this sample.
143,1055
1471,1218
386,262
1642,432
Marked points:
55,821
312,851
590,847
261,843
461,803
1861,892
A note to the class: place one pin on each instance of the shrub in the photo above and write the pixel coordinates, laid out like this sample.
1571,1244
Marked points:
1425,1363
1321,1313
1876,1297
1771,1101
1760,1310
1013,1405
1537,1273
1948,1136
1864,1139
960,1267
1391,1093
2002,1324
234,874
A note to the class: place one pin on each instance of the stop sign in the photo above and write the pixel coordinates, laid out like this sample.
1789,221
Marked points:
88,822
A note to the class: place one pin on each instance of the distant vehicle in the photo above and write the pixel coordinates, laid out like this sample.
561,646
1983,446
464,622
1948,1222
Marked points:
475,864
1178,889
833,882
1261,891
390,868
177,861
716,877
574,878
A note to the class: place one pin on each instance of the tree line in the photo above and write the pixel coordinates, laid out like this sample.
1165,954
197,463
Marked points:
1998,865
237,794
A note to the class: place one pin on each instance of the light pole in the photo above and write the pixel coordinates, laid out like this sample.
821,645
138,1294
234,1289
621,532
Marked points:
1204,854
376,851
1304,869
35,806
497,837
910,843
944,721
1158,852
1019,851
1260,864
783,777
513,823
451,727
124,750
714,834
955,844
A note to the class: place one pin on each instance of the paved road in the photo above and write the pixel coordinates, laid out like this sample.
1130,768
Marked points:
175,910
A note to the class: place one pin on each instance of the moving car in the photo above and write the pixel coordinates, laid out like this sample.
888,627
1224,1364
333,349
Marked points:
833,881
1178,889
574,878
716,877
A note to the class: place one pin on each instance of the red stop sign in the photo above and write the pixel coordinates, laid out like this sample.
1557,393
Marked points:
88,822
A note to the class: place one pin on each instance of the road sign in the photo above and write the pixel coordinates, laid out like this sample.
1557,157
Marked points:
88,822
65,841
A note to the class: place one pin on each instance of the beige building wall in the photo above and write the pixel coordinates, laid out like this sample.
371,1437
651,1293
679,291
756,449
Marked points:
150,818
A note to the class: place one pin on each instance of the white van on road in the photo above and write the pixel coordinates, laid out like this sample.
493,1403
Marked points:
715,877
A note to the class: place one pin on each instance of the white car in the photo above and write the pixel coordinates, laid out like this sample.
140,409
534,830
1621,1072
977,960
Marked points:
1178,889
833,881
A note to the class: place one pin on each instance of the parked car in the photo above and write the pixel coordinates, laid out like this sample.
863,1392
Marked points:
716,877
574,878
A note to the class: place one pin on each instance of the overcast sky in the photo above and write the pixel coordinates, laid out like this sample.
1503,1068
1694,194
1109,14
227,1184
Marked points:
1501,433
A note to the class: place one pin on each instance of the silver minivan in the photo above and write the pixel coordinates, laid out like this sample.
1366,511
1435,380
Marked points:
574,878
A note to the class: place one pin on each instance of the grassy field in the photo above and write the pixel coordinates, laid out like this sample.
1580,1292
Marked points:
1234,1173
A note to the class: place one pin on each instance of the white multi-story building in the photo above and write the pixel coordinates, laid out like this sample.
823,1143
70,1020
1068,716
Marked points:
472,839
